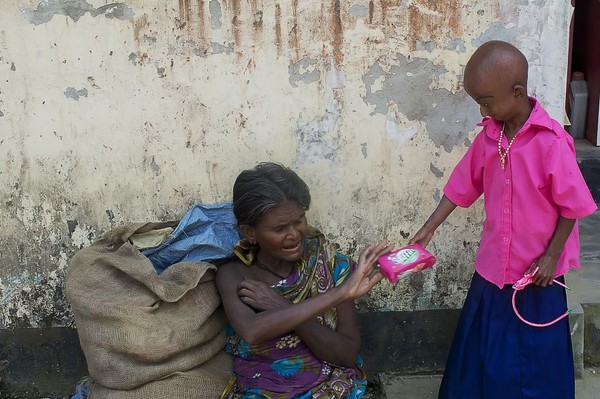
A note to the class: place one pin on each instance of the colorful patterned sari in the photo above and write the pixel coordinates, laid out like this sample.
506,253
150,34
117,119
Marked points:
284,367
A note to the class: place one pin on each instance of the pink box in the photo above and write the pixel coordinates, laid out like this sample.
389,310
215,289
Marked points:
405,261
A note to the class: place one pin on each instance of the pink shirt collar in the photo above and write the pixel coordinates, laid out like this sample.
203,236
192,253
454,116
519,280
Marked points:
537,118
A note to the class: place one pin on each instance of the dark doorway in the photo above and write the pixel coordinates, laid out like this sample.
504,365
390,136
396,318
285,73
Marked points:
585,57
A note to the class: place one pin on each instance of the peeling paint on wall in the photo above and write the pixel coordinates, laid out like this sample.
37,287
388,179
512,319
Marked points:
358,10
305,70
436,172
317,139
146,117
75,9
73,93
449,116
215,14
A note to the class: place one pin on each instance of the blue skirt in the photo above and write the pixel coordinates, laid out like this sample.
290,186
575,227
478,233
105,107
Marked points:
494,355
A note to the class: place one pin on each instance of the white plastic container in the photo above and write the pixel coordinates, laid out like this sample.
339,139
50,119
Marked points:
578,103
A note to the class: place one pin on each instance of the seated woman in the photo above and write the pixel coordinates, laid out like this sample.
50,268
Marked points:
293,327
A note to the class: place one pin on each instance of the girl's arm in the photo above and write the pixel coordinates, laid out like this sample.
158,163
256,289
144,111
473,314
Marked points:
547,262
441,212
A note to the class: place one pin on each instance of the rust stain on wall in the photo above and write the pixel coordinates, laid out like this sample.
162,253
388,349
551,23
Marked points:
138,26
192,20
257,20
201,19
338,34
185,10
235,21
278,28
294,38
384,8
429,21
255,13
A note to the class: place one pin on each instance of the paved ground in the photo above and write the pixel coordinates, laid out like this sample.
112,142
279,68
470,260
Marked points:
426,387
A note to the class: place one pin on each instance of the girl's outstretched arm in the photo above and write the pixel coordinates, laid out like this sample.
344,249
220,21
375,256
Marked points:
441,212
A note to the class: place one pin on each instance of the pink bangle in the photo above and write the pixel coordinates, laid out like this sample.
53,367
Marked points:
524,282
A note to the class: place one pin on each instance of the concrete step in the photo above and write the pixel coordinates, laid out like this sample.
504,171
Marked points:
584,297
588,158
396,386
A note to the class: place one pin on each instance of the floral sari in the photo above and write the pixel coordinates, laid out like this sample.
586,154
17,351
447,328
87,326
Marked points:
284,367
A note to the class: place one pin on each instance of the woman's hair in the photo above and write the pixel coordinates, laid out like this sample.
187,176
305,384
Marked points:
267,186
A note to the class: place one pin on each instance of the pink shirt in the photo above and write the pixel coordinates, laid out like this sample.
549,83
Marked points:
523,203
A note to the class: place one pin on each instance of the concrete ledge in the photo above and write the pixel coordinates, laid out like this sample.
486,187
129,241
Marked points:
410,387
591,352
577,327
584,296
411,342
49,362
40,362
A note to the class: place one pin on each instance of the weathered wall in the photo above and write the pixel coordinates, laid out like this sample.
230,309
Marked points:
129,111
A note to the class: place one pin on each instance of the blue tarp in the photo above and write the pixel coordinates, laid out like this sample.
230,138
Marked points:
206,233
81,389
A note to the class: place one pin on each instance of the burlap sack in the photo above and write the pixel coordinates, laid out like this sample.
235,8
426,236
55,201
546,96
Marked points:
136,327
204,381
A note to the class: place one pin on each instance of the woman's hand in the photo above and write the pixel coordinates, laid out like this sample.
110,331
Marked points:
260,296
364,277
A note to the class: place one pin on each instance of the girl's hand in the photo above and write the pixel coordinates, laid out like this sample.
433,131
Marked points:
425,233
423,236
547,262
545,274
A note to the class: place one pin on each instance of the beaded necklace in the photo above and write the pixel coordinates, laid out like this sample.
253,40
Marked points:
505,154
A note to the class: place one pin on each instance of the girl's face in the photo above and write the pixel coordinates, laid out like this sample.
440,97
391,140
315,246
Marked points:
280,232
494,98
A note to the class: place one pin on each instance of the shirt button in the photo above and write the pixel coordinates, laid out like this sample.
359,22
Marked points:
507,181
506,210
505,239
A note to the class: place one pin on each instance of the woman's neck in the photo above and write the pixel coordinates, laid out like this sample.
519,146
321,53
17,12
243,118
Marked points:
277,267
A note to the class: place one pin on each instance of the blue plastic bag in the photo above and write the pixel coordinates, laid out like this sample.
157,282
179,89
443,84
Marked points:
206,233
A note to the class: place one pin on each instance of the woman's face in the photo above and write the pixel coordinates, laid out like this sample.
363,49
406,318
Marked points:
280,232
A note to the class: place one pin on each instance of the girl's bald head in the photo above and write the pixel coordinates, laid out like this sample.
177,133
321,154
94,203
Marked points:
498,61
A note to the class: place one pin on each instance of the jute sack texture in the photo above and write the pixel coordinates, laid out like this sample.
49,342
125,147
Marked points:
146,335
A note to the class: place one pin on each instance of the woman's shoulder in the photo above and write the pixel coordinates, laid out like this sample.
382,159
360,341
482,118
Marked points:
232,268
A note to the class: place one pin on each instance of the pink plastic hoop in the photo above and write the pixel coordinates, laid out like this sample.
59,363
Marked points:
524,282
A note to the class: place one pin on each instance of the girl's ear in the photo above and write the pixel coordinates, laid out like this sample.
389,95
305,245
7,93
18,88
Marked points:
248,232
519,91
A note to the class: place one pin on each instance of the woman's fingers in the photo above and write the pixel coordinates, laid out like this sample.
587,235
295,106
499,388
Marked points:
376,277
366,276
374,251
